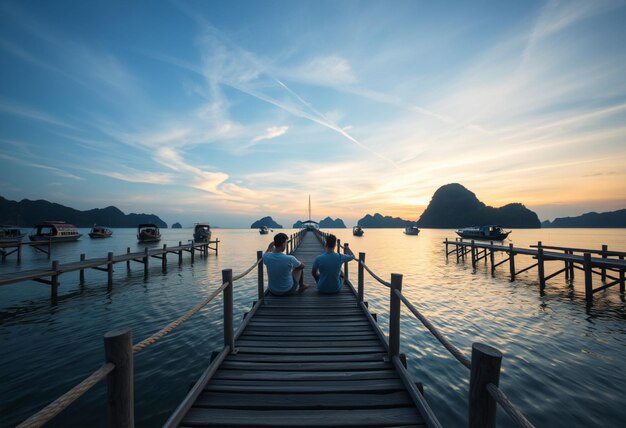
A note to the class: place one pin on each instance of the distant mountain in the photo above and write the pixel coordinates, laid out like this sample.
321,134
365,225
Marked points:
378,221
454,206
327,223
592,219
266,221
27,213
177,226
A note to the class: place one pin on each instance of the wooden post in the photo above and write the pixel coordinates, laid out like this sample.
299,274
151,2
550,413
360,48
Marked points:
603,270
118,349
394,315
260,285
54,286
492,260
473,255
588,278
146,262
565,252
446,249
81,276
164,258
456,246
127,261
229,334
338,246
571,267
180,253
345,265
361,289
512,262
540,270
485,369
622,284
192,250
19,253
110,270
49,247
217,241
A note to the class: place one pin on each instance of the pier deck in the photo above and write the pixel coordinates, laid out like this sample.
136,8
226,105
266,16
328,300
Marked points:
305,360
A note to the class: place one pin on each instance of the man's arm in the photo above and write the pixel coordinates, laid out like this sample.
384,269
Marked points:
270,247
315,271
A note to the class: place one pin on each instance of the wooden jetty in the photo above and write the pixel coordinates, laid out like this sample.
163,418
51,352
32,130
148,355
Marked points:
105,264
8,248
586,260
307,360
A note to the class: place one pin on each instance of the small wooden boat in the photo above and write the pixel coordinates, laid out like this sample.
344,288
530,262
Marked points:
148,232
202,232
263,230
486,233
411,230
98,232
9,234
54,231
357,231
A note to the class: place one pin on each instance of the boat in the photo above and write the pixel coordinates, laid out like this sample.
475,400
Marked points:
100,232
148,232
357,231
264,230
202,232
488,233
54,231
10,234
310,224
411,230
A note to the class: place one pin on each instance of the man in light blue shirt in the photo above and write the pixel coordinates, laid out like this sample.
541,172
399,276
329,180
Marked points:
284,272
327,267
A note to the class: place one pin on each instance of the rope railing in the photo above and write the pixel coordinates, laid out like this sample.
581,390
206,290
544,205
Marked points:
508,407
376,277
51,410
61,403
456,353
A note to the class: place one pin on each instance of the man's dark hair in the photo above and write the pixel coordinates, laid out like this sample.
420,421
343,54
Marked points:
280,239
331,241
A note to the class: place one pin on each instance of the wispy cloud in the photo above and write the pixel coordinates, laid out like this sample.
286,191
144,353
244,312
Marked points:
271,133
51,169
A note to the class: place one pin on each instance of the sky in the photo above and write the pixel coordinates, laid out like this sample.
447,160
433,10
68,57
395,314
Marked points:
229,111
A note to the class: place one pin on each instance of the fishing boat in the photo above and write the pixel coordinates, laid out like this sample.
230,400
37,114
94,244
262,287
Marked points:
202,232
264,230
487,233
148,232
54,231
98,232
10,234
411,230
357,231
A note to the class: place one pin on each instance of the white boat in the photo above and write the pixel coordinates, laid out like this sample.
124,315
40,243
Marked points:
202,232
148,232
98,232
357,231
11,234
264,230
54,231
411,230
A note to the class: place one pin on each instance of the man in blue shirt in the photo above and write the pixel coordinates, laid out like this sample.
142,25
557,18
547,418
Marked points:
327,267
284,271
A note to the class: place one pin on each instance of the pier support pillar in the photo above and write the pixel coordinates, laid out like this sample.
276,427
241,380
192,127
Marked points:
540,267
622,280
180,253
473,255
260,280
361,286
229,334
603,270
588,277
512,262
54,281
164,258
110,270
394,315
146,262
485,369
81,275
346,246
118,349
492,260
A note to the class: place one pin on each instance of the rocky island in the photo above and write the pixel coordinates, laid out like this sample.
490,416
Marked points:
454,206
266,221
378,221
591,219
327,223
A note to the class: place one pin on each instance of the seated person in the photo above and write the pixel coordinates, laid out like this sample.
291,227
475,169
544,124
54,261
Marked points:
284,271
327,267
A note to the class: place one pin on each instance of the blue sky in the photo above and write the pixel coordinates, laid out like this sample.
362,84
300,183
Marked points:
230,111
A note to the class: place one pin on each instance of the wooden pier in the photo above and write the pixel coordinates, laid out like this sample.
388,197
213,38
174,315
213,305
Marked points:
591,262
8,248
306,360
50,276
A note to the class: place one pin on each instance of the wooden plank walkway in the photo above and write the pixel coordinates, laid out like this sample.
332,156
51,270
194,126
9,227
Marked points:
308,360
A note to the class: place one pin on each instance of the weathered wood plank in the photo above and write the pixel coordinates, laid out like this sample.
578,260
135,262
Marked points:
295,387
320,351
299,375
301,418
258,343
303,358
317,367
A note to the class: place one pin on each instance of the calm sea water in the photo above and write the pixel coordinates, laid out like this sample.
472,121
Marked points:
562,365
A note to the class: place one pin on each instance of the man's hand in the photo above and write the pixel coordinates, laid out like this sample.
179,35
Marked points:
348,251
270,247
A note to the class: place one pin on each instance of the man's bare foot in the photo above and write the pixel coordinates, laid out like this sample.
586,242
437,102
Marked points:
303,287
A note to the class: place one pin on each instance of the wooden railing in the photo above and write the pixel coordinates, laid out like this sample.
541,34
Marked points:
484,364
119,352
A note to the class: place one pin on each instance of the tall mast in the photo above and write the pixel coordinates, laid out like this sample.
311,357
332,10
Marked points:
309,207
